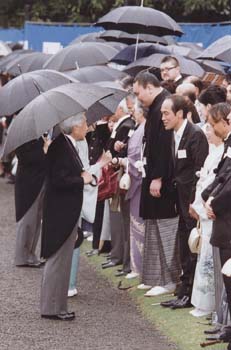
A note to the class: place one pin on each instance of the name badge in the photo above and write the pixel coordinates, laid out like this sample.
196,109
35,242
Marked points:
228,153
181,154
131,132
113,134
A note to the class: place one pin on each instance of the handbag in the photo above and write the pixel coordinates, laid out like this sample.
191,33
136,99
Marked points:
195,239
125,181
108,183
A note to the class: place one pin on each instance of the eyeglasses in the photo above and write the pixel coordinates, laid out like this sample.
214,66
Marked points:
167,69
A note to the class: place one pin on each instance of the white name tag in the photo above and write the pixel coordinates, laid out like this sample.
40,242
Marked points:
144,160
131,132
228,153
113,134
181,154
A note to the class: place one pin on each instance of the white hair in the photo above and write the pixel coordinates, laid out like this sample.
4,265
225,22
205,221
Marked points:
67,125
123,106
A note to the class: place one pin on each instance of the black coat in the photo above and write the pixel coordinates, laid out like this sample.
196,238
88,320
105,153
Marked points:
220,189
195,144
158,156
63,196
97,141
30,175
121,134
223,168
221,205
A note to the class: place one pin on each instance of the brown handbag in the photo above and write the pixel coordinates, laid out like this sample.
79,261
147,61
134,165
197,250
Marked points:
108,183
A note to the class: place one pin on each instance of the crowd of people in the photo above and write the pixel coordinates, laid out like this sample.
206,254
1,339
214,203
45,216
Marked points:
139,181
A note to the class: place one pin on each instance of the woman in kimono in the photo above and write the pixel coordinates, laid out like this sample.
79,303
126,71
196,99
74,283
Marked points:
203,295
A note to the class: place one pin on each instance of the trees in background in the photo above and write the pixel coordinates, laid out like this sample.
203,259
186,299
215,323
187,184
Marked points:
15,12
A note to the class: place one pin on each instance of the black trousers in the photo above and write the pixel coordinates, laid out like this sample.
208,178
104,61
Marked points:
188,260
97,226
225,254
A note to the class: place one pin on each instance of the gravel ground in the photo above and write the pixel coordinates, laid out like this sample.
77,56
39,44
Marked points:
106,318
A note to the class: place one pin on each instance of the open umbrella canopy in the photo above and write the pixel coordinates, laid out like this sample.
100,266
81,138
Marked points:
10,57
211,66
81,55
127,55
26,63
187,66
93,74
139,19
4,49
94,36
123,37
219,50
18,92
52,107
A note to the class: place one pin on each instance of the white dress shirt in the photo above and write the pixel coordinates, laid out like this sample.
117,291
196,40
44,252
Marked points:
178,135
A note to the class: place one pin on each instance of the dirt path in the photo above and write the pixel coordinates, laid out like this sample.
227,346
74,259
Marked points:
106,318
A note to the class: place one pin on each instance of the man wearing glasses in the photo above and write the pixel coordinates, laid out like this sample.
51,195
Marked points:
170,70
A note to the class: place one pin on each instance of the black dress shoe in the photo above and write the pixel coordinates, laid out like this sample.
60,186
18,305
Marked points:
182,303
105,262
109,264
168,303
68,316
36,265
215,330
120,273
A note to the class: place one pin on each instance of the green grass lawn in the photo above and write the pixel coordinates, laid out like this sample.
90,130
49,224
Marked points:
179,326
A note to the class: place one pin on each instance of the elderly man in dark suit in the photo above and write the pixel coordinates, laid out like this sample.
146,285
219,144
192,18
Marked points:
62,207
190,149
157,203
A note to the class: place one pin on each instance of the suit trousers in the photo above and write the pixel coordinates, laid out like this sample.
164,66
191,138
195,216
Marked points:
188,260
28,231
120,235
98,223
56,277
225,254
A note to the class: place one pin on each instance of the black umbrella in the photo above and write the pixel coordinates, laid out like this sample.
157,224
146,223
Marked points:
18,92
187,66
94,36
211,66
117,45
26,63
80,55
219,50
51,108
12,56
93,74
126,56
123,37
139,19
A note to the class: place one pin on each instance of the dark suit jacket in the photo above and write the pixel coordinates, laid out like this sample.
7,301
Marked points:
97,141
195,144
221,205
63,196
158,154
122,132
224,168
30,176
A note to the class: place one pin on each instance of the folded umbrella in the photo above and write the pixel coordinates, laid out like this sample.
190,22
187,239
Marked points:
18,92
81,55
50,108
